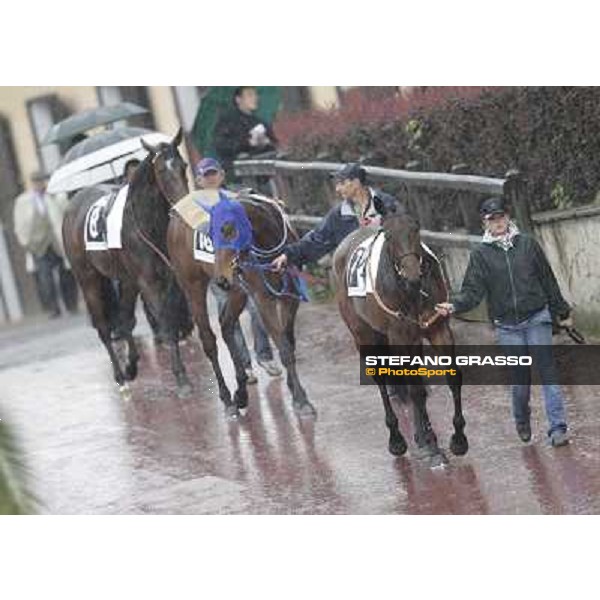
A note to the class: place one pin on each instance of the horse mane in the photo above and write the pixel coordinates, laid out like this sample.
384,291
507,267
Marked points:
149,208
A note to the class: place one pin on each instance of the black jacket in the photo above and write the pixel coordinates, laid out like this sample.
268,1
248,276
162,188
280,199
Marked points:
340,221
232,133
516,283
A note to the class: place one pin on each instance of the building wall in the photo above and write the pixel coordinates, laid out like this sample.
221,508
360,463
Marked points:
13,106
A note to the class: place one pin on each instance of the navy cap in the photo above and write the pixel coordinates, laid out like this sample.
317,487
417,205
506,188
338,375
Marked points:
206,165
492,206
350,171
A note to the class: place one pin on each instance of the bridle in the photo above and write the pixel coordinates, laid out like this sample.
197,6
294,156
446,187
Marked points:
259,260
159,184
139,230
399,314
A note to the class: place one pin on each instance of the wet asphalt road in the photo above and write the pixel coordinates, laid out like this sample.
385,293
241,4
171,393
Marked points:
90,451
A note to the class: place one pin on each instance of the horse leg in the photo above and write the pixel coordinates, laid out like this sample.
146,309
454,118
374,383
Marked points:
93,293
425,437
198,302
397,444
163,306
281,331
364,335
442,337
289,316
127,301
229,316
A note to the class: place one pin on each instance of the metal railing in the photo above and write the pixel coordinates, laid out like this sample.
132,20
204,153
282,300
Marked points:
281,173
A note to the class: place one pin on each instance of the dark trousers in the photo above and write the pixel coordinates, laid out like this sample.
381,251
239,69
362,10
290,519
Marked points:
45,266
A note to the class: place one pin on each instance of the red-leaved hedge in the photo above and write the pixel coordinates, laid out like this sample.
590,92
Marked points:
551,134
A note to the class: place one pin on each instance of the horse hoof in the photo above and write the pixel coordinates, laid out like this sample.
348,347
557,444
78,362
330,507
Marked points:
305,410
459,445
241,400
125,392
232,413
438,461
398,447
184,390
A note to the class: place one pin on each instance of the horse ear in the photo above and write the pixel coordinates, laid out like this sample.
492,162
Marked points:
379,205
178,138
147,146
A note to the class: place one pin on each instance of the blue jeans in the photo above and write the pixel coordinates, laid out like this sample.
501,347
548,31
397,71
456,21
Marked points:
262,346
535,331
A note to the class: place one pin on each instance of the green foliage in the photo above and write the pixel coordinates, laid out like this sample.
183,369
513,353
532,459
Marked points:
560,198
15,496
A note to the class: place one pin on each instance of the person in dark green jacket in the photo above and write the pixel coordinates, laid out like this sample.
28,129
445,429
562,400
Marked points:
511,272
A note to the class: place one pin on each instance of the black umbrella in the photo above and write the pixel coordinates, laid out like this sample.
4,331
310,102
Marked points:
89,119
104,140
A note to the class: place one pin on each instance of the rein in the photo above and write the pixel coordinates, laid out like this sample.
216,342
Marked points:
142,234
275,250
263,269
399,313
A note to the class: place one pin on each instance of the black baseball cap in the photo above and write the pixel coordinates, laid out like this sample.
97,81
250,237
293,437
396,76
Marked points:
491,207
350,171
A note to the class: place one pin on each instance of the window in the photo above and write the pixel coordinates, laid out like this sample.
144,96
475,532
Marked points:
187,101
110,94
43,113
294,99
371,92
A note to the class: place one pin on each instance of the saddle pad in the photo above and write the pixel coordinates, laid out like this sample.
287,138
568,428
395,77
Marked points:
99,237
365,256
359,284
204,250
95,233
114,220
190,207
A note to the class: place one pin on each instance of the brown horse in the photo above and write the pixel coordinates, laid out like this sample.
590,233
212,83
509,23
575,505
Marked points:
140,265
393,315
240,272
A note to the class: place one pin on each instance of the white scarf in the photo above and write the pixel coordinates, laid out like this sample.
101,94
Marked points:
505,241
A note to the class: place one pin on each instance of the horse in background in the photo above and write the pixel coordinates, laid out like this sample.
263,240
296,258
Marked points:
141,265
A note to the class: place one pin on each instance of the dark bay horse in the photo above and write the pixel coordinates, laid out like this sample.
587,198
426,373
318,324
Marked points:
242,269
393,315
141,265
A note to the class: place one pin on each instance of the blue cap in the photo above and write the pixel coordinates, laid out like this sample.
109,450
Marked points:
206,165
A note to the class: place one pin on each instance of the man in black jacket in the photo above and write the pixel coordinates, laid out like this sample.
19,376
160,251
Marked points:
510,270
240,131
357,209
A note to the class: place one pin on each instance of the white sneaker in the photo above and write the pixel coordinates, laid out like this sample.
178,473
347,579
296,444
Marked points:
271,367
252,379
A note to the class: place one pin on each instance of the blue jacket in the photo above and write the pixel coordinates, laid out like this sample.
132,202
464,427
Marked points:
340,221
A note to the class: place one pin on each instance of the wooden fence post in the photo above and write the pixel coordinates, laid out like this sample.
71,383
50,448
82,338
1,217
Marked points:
420,203
467,206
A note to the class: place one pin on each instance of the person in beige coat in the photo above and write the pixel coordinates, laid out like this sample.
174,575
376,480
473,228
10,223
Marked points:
38,220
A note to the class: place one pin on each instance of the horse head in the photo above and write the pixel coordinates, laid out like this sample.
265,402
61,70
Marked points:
231,235
403,244
169,168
